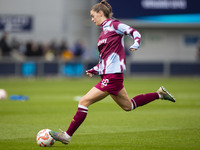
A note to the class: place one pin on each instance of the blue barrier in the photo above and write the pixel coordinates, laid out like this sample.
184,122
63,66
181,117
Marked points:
7,69
28,69
77,69
51,68
185,68
72,69
156,68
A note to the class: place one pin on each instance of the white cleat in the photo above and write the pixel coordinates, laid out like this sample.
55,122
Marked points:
165,94
60,136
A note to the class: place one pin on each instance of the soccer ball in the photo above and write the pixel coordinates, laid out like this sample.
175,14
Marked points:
3,94
44,139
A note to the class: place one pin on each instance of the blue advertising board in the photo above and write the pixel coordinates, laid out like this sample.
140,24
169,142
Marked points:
157,11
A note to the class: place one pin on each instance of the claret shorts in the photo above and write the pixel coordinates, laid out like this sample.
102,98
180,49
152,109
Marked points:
111,83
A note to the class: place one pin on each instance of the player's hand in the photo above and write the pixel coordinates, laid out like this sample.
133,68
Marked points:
132,49
89,74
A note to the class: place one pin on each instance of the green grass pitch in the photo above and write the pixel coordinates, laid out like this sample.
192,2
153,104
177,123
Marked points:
160,125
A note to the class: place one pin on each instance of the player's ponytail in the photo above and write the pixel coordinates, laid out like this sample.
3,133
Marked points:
105,7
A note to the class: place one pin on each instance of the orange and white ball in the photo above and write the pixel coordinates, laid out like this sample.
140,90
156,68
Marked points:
44,139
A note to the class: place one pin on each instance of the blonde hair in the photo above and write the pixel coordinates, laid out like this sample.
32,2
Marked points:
105,7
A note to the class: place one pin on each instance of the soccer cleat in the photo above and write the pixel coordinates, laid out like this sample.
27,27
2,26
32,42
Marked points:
60,136
165,95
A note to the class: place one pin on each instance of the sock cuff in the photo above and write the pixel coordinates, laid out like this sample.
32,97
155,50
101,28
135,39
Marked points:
83,107
159,95
134,105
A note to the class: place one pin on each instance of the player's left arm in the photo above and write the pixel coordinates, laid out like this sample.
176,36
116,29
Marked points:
132,33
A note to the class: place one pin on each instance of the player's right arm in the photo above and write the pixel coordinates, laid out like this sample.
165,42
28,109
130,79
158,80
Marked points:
89,74
93,71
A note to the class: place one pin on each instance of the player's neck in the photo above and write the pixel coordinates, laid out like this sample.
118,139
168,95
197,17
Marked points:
104,21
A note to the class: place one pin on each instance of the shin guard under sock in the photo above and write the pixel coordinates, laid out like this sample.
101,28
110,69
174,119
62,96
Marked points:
143,99
79,117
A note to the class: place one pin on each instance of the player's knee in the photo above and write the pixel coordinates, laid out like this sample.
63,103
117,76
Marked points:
84,102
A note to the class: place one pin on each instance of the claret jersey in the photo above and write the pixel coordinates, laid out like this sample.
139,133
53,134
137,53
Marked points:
111,47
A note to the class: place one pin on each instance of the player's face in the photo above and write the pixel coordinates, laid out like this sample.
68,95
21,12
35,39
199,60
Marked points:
96,17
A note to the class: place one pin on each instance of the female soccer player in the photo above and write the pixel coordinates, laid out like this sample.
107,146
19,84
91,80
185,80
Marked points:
110,67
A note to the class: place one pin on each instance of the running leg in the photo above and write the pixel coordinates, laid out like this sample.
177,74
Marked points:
127,104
